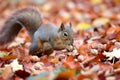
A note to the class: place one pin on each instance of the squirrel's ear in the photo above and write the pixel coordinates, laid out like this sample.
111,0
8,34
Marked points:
62,27
70,24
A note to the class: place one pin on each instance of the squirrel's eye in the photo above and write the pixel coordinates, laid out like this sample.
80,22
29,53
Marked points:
65,34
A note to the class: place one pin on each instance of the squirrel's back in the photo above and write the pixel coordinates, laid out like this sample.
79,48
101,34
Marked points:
28,17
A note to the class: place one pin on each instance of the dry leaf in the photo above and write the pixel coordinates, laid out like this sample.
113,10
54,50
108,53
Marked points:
15,65
114,54
66,75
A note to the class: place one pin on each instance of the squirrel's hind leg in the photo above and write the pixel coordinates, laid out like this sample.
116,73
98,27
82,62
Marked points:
47,48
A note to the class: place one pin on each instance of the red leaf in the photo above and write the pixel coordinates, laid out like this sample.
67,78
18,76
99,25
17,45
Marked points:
23,74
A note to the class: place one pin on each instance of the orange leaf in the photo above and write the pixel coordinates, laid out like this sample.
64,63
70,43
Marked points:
54,60
70,63
116,65
113,30
66,75
6,58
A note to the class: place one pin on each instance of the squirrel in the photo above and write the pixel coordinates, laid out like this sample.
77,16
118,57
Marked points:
45,37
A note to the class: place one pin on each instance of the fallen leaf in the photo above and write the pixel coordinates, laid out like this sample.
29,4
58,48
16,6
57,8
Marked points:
70,62
8,57
66,75
114,54
100,21
83,26
7,72
54,60
21,73
96,1
15,65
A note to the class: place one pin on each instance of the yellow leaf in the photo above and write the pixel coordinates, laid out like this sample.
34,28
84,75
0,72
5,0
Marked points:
83,26
96,1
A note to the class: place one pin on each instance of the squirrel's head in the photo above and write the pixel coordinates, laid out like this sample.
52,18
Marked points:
66,34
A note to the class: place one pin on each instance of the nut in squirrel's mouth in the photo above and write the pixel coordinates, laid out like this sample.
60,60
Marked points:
70,48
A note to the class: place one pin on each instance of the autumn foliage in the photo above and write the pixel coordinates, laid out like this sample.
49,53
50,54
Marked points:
96,24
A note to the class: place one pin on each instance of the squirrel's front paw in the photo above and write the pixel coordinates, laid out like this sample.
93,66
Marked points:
70,48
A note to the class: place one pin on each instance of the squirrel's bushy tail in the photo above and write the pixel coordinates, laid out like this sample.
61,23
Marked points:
28,17
9,32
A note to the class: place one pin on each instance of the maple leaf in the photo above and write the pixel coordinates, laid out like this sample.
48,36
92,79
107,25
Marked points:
114,54
15,65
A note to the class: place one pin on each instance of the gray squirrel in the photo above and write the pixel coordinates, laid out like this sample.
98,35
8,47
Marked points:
45,37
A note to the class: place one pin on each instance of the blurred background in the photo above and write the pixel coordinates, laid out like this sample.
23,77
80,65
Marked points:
82,13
